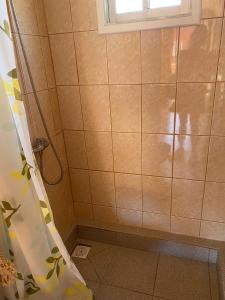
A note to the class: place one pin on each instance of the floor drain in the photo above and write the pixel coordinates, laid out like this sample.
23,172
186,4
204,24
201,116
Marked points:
81,251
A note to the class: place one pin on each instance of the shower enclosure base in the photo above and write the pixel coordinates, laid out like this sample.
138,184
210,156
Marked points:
198,249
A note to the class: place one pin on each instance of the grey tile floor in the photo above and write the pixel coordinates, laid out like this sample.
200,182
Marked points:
117,273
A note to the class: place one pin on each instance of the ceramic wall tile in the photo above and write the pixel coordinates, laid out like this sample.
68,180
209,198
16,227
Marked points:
63,54
54,9
213,205
158,108
187,198
99,150
84,15
157,194
159,55
127,161
124,58
157,150
96,107
216,160
126,108
194,106
128,191
91,57
190,156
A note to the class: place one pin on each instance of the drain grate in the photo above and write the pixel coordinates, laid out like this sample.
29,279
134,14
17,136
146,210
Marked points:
81,251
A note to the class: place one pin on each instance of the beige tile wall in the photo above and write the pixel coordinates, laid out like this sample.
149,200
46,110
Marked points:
33,28
143,116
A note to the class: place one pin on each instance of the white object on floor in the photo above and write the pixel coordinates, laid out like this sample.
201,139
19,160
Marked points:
81,251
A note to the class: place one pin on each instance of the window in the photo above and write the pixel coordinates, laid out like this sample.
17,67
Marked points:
131,15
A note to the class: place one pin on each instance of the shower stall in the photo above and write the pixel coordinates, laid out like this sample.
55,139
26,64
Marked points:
128,134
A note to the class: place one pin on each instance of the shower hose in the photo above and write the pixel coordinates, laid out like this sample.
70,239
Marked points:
59,179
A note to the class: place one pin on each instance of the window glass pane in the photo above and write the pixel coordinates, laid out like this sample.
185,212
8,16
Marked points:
126,6
164,3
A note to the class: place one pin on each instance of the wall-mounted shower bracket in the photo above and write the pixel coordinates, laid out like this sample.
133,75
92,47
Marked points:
40,144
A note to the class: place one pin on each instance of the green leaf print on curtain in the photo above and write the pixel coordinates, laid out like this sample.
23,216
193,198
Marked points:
28,235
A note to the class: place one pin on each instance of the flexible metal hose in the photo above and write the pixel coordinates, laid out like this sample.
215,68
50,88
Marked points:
58,180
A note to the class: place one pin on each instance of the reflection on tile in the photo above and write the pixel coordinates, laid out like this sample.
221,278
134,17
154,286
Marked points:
129,217
199,50
184,226
124,58
157,194
214,204
157,154
70,107
218,123
159,48
96,107
99,150
84,15
194,108
156,221
190,156
127,161
126,108
63,54
187,198
212,230
102,188
91,57
216,161
80,185
158,104
194,283
115,293
128,191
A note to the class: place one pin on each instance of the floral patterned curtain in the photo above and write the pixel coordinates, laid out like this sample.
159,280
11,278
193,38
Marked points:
28,235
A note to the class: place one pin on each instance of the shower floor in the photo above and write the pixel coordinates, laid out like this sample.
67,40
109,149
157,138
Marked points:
118,273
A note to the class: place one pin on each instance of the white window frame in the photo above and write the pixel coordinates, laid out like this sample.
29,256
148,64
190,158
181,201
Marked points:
186,14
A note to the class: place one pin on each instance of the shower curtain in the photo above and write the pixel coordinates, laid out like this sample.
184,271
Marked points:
28,235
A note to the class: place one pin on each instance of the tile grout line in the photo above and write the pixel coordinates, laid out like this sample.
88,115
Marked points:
144,133
147,175
146,83
96,30
174,125
56,89
82,115
211,124
110,108
142,185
